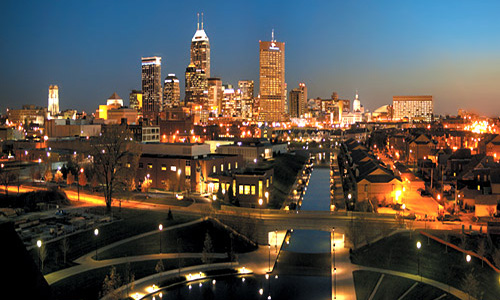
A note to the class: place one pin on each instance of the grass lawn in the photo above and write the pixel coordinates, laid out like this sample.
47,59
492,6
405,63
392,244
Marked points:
191,241
393,287
399,252
87,285
132,222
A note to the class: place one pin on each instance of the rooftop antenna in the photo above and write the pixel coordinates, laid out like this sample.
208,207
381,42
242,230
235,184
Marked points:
272,35
198,23
201,21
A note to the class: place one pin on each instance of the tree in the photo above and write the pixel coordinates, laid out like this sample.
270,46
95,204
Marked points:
481,250
43,255
129,277
70,178
115,156
110,285
6,178
206,253
470,285
491,211
58,177
220,195
82,179
94,183
146,184
130,184
496,257
65,248
169,215
48,175
463,241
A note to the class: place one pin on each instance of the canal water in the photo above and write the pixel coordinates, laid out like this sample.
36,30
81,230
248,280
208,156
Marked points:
302,271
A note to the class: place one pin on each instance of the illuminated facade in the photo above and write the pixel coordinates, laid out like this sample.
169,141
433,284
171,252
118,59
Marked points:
415,108
135,100
246,88
298,101
272,85
151,86
171,92
200,49
53,107
215,94
196,86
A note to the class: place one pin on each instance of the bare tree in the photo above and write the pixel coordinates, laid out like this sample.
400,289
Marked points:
115,157
65,248
206,253
463,241
470,285
159,266
110,285
58,177
496,257
129,277
6,178
43,255
491,211
47,176
481,250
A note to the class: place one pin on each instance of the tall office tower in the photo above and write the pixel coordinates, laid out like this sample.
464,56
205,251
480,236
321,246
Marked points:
135,100
215,95
171,92
298,101
53,107
151,87
272,81
415,108
196,86
200,48
246,88
229,101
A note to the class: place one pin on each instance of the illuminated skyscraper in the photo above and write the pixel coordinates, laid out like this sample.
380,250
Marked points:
196,86
151,87
200,49
135,99
215,94
53,107
272,81
298,101
246,88
415,108
171,92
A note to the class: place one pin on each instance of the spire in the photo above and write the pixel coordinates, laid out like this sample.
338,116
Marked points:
201,21
198,22
272,35
357,94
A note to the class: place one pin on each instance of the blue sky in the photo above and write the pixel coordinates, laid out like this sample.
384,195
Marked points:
450,49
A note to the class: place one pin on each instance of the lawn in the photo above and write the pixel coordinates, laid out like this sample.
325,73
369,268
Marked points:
132,222
399,252
188,239
392,287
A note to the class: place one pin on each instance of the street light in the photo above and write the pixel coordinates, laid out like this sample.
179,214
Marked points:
419,245
96,233
39,245
160,227
260,205
78,182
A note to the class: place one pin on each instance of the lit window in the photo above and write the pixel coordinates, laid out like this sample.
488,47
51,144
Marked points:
247,189
173,168
240,189
229,166
267,183
214,169
253,189
150,166
260,188
236,165
222,167
163,167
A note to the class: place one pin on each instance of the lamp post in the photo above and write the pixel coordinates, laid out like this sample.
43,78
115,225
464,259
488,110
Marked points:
160,228
334,267
468,258
269,262
260,205
96,233
39,245
78,182
419,245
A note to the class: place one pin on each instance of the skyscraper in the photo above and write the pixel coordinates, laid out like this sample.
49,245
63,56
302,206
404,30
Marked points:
298,101
196,86
415,108
151,87
215,94
246,88
135,100
272,81
53,106
171,92
200,49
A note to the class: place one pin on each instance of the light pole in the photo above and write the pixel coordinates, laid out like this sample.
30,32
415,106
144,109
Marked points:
39,245
468,258
419,245
334,268
78,182
96,233
160,227
260,205
276,240
269,262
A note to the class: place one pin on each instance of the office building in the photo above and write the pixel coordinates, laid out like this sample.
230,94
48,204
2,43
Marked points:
298,101
414,108
215,95
171,92
135,100
151,87
196,86
272,87
246,88
53,107
200,49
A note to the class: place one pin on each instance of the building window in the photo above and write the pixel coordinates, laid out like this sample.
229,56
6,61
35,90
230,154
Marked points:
240,189
150,166
188,172
163,167
222,167
271,179
236,165
253,189
128,165
214,169
260,188
267,183
229,166
173,168
141,165
247,189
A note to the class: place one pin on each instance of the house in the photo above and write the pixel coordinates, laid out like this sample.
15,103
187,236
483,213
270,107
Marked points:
486,205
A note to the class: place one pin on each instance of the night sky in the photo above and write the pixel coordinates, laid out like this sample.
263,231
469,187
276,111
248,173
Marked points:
449,49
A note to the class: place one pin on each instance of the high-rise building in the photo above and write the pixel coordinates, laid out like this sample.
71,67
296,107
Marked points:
272,86
215,95
246,88
171,92
298,101
53,107
135,100
200,49
151,87
415,108
196,86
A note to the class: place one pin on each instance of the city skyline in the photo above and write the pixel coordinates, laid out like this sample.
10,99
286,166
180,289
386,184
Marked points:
90,57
